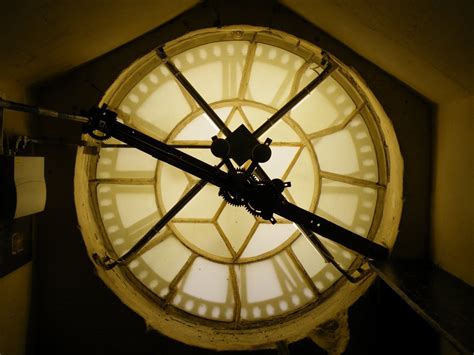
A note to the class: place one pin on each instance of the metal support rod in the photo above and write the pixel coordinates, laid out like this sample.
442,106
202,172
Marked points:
15,106
129,255
331,66
44,140
327,255
193,92
168,154
331,231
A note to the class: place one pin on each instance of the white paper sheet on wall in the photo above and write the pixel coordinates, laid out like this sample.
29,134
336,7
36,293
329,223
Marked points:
30,185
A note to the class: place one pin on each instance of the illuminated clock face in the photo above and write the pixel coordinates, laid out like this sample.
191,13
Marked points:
216,275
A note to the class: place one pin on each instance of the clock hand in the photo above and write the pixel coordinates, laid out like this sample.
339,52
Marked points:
217,121
193,192
330,230
103,123
168,216
264,198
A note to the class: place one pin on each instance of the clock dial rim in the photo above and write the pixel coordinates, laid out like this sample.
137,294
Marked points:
183,326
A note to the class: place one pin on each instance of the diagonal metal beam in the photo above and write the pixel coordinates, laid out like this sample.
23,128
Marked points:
192,91
135,250
327,255
330,67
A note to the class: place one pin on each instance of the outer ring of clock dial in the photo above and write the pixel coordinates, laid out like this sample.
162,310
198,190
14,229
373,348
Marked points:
161,309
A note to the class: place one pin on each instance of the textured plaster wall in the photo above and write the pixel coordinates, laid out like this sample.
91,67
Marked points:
41,38
16,123
15,299
15,288
425,43
453,191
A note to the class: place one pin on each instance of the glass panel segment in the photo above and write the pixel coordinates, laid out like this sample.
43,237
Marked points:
342,143
323,274
214,69
256,116
326,106
280,160
127,212
125,163
199,129
311,260
355,151
350,206
272,75
202,128
204,205
171,184
206,291
271,287
267,237
236,120
303,177
236,223
163,107
281,132
157,267
207,280
167,258
204,237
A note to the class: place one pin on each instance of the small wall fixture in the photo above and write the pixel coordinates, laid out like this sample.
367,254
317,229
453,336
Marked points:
22,186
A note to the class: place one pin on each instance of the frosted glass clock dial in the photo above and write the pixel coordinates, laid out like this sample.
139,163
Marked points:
217,276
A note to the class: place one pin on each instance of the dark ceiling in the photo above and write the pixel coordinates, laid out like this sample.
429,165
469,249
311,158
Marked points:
425,43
